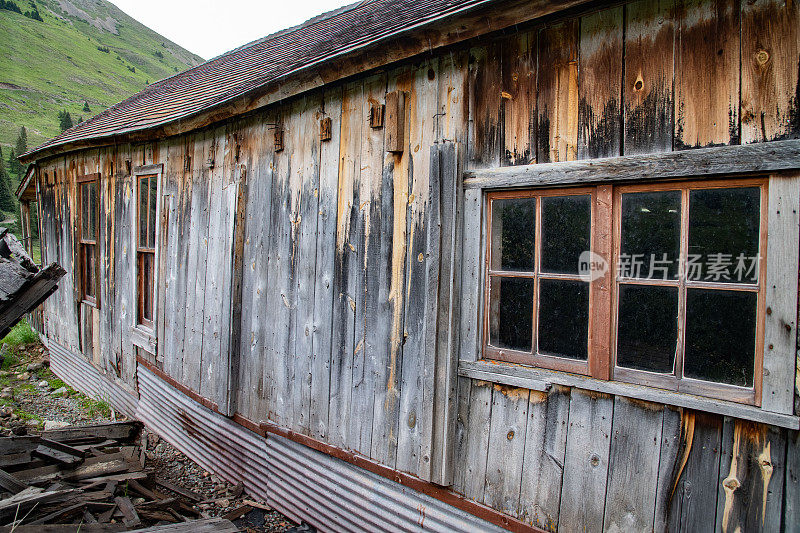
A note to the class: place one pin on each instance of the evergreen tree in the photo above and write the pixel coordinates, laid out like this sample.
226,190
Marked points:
22,141
7,201
64,120
86,107
14,166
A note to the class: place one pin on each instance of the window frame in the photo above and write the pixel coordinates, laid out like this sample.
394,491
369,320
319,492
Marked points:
83,243
677,382
534,358
605,239
144,331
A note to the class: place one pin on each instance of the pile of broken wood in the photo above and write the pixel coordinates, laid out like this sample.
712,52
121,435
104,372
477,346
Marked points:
91,478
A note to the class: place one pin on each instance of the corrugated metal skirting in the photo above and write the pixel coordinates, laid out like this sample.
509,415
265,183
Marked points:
301,482
75,370
213,441
334,495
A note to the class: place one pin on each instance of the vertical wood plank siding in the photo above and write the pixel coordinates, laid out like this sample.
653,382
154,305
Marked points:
345,320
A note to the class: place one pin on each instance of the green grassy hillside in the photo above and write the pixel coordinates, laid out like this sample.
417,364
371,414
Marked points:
83,51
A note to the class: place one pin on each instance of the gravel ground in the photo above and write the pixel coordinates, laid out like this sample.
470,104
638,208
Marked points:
28,405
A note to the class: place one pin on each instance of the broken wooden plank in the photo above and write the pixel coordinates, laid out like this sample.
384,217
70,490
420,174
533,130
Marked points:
217,525
63,528
11,483
128,511
179,490
120,431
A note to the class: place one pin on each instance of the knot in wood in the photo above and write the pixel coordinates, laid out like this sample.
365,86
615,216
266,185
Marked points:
510,434
412,419
594,459
731,483
762,56
638,85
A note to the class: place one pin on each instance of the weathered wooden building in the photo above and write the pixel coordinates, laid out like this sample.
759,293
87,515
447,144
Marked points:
455,264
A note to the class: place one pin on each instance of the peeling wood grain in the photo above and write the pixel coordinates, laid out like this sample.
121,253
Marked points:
707,74
647,90
518,98
770,104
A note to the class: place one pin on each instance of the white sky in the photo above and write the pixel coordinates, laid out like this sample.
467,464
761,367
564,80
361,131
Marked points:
211,27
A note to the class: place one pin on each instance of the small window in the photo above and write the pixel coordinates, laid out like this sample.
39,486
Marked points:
538,301
147,189
686,309
88,228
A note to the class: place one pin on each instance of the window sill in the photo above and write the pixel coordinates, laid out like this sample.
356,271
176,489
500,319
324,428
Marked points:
541,380
144,338
90,303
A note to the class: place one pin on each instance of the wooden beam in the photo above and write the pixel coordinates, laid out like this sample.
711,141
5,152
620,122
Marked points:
700,163
538,379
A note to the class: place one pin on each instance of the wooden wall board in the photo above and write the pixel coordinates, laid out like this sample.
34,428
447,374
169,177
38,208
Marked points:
370,350
324,295
557,92
633,466
671,445
421,136
507,438
791,513
647,89
600,84
543,465
348,275
695,475
751,477
770,70
586,461
485,128
395,192
305,198
518,98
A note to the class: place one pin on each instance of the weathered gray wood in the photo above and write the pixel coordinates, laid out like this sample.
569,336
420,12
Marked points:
586,461
543,465
324,296
780,322
536,378
348,271
669,455
415,396
751,477
633,466
791,499
305,183
10,483
447,318
477,440
694,500
506,446
366,355
700,163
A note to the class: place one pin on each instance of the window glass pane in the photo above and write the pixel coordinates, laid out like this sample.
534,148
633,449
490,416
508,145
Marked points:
720,336
723,235
146,296
564,318
513,234
92,207
647,327
85,210
511,313
651,232
152,227
566,231
143,211
89,270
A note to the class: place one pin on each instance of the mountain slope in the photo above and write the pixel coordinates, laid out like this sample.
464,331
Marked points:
83,51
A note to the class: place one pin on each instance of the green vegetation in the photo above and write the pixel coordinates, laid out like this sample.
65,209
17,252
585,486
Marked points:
64,62
95,408
22,333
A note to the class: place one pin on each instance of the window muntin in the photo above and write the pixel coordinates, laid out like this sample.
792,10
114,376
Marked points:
538,303
686,302
147,189
88,227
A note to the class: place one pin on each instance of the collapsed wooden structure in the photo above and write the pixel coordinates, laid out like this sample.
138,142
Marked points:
23,285
344,264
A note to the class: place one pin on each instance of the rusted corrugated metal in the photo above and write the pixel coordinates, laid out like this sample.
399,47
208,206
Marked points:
263,61
213,441
337,496
75,370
